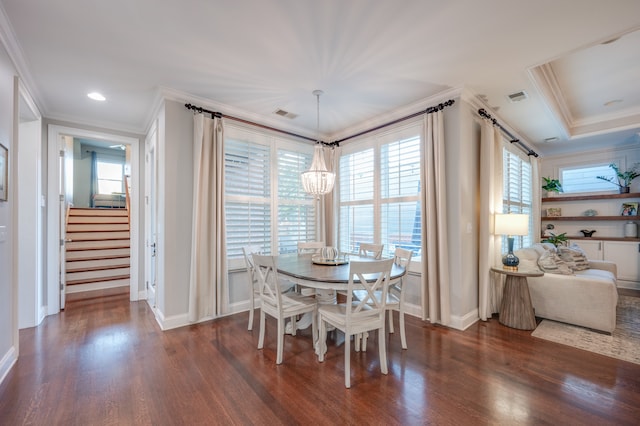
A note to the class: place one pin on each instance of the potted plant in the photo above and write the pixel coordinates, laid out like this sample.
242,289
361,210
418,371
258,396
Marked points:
551,186
557,240
624,178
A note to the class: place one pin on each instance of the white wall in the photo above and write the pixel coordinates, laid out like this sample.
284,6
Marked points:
175,199
550,166
8,296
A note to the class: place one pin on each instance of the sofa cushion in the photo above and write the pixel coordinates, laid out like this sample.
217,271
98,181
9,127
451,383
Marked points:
600,273
575,258
552,263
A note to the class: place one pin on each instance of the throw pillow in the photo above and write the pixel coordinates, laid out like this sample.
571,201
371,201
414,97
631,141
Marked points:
574,257
550,262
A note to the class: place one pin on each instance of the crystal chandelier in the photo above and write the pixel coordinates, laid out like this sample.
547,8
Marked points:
318,180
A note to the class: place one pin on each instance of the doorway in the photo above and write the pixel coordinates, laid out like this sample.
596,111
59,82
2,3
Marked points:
57,135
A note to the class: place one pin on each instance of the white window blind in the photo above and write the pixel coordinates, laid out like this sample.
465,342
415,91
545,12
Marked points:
247,195
265,203
517,194
379,193
399,200
296,209
356,199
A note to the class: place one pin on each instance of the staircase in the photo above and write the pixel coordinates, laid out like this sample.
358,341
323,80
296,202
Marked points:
97,249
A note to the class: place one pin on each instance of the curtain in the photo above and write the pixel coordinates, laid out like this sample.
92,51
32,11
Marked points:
490,203
93,185
208,275
329,224
536,206
436,305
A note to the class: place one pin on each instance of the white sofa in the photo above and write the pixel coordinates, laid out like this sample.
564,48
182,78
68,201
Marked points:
586,298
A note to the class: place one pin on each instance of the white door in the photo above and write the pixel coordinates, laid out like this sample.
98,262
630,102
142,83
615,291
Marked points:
150,218
66,201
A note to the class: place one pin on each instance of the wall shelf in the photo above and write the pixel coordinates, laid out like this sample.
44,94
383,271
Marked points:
564,198
589,218
632,240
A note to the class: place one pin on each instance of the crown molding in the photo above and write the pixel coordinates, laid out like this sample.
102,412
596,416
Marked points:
11,45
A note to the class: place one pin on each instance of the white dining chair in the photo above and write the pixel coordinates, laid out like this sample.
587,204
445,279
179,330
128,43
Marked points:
313,247
371,250
285,285
358,316
280,305
395,296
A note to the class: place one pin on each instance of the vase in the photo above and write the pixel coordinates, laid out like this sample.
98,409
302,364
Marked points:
624,189
630,230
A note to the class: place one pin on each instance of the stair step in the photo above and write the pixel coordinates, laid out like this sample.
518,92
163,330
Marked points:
97,275
97,264
107,235
94,254
124,280
97,219
96,244
75,211
97,227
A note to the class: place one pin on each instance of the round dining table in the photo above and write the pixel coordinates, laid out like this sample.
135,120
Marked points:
323,276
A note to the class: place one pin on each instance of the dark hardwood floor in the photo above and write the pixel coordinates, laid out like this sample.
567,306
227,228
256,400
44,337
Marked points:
104,360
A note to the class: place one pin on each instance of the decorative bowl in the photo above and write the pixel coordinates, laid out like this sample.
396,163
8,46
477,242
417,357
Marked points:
590,212
587,233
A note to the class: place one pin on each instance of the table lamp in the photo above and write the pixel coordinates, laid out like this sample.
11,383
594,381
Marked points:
511,224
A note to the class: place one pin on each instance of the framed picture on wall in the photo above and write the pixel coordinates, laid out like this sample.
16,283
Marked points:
4,172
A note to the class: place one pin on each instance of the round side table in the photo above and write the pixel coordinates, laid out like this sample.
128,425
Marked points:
516,310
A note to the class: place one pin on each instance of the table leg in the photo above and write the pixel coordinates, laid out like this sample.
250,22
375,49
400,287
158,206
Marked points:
516,310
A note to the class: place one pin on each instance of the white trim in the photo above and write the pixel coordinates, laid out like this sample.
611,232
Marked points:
8,360
53,214
465,321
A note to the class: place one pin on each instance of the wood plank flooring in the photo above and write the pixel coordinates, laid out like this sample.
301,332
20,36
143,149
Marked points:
104,360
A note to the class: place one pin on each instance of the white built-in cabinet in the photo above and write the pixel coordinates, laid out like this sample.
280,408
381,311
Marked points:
608,243
625,254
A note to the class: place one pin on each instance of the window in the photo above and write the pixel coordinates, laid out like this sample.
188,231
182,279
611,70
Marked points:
109,177
264,201
517,194
379,193
583,178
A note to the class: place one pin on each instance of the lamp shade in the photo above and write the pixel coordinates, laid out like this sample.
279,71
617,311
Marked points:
511,224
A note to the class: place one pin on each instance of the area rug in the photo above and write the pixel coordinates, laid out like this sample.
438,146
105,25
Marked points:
624,342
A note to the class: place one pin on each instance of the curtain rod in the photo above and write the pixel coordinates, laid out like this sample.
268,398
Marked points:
429,110
230,117
512,138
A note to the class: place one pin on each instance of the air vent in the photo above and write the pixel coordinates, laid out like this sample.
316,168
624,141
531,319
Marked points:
518,96
283,113
553,139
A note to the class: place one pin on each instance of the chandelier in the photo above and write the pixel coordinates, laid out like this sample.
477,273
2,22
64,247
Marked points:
318,180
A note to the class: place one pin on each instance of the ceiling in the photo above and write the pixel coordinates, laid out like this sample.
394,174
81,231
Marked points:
371,57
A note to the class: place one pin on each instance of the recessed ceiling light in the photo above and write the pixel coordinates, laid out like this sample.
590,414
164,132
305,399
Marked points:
96,96
613,102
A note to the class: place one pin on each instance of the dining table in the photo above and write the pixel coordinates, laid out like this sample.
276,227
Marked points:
326,277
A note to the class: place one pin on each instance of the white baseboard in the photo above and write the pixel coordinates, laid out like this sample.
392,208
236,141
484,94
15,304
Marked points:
632,285
142,295
465,321
8,360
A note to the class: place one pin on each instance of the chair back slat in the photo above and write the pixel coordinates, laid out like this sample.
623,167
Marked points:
371,250
267,273
313,247
373,276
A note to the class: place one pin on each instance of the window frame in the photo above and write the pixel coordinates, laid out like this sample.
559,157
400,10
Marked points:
409,130
274,143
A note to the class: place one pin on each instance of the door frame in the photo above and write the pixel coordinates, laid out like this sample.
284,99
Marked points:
55,133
